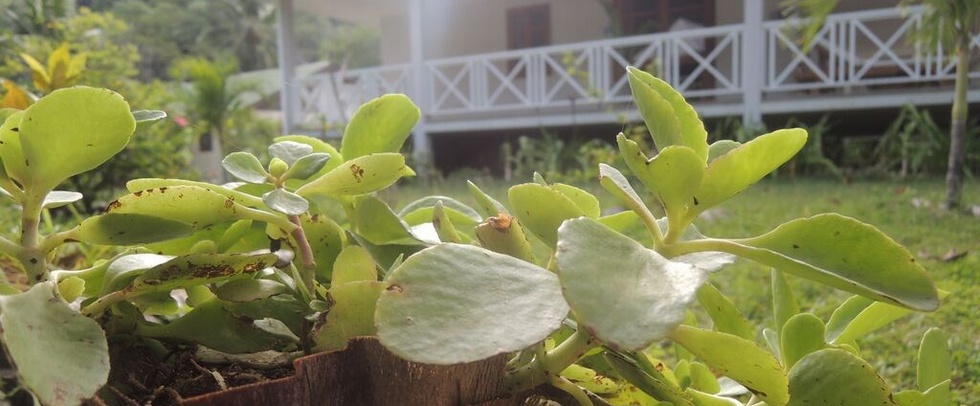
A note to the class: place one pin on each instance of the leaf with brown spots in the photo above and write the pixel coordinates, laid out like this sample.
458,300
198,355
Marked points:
198,269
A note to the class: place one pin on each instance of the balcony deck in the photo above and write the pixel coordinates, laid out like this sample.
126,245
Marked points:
860,60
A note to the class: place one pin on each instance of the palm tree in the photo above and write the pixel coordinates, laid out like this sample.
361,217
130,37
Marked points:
947,23
952,23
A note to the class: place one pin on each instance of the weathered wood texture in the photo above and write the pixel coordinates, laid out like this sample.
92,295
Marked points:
367,374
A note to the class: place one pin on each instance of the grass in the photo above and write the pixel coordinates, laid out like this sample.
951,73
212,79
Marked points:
907,211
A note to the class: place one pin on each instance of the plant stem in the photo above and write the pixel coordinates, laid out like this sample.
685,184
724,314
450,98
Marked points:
53,241
30,256
97,307
541,369
9,247
308,268
572,389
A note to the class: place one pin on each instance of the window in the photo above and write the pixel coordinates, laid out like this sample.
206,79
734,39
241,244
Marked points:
649,16
529,26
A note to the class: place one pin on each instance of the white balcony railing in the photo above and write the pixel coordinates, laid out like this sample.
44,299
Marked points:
852,50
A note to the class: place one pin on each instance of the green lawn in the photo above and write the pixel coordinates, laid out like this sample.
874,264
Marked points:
927,231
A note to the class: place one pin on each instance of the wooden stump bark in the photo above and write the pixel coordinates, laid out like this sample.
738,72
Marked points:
367,374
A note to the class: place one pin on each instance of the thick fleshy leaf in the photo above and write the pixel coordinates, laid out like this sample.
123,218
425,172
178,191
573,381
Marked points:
245,166
614,182
286,202
192,205
488,206
420,211
784,303
247,290
71,131
585,201
215,327
542,209
938,395
307,166
836,377
651,382
720,148
742,167
327,239
737,358
351,314
674,176
354,264
148,116
935,364
59,198
359,176
870,317
726,318
458,303
61,356
844,253
843,316
141,184
197,269
380,125
10,148
128,229
378,224
630,295
505,235
289,151
123,270
670,119
802,335
319,146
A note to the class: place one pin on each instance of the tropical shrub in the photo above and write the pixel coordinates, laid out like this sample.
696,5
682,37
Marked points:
300,255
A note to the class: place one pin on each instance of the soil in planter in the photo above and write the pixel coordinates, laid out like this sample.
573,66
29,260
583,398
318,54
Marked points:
144,376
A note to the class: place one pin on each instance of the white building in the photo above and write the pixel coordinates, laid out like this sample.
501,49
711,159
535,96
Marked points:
483,65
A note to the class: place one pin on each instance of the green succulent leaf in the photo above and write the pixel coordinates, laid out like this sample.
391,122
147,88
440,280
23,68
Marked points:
148,116
726,318
351,314
286,202
629,296
420,211
670,119
456,303
585,201
354,264
836,377
130,229
61,356
380,125
123,270
720,148
327,239
192,205
738,359
542,209
487,205
71,131
378,224
745,165
290,151
59,198
784,303
247,290
844,253
212,325
802,335
307,166
651,382
858,317
358,176
10,149
935,363
614,182
141,184
674,176
245,166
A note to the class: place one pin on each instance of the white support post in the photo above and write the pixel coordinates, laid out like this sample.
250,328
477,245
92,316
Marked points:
421,143
288,98
753,62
